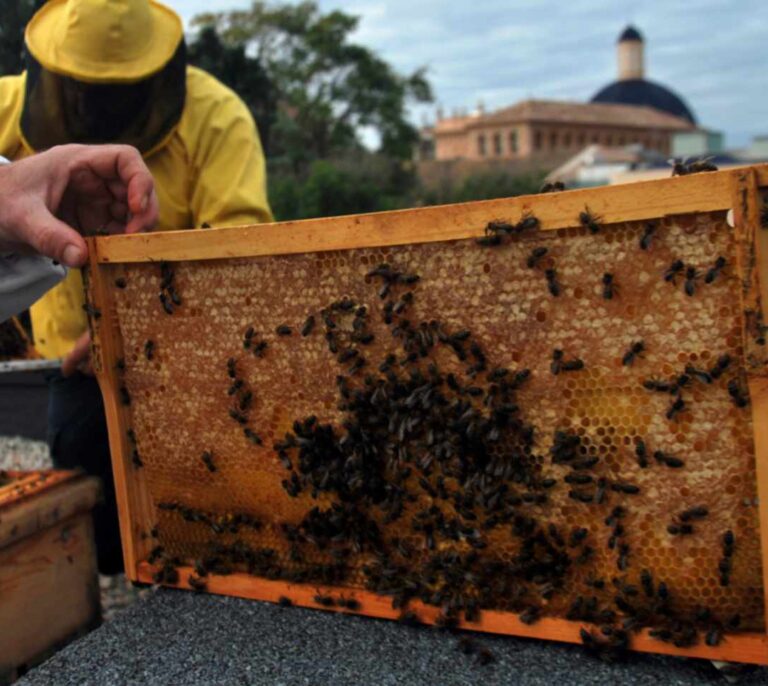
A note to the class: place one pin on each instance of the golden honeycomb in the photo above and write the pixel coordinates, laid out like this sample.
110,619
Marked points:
180,404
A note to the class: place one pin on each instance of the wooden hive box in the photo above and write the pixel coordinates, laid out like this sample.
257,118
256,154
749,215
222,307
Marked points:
417,448
49,591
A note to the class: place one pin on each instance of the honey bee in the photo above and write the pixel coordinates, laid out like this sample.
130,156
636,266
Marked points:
252,436
486,241
684,167
609,287
677,406
641,452
283,330
136,458
196,583
737,394
309,324
149,349
120,282
573,365
645,239
125,397
657,385
691,275
697,512
552,283
349,603
723,362
528,222
590,221
552,187
537,254
668,460
714,270
92,311
635,350
207,458
700,374
557,361
670,276
166,303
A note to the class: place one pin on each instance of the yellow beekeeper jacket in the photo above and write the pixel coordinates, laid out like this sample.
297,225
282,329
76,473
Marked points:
210,169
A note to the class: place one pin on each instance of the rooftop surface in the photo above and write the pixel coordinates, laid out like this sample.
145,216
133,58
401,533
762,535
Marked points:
175,637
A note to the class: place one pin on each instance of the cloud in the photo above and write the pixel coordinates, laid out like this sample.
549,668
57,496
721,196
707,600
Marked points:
708,51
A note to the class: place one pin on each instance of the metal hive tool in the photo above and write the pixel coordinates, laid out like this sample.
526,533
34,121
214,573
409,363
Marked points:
224,295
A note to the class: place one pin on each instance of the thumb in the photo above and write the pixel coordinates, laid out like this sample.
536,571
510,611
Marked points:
53,238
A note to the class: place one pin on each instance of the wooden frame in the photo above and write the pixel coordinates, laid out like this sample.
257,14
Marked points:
740,190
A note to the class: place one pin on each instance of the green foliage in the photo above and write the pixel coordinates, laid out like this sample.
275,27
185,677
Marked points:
484,186
358,183
14,15
374,183
327,88
243,74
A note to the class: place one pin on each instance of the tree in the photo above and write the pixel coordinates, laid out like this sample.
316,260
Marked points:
327,88
14,15
243,74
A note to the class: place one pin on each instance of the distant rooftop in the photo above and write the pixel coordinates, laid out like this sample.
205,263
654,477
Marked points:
554,111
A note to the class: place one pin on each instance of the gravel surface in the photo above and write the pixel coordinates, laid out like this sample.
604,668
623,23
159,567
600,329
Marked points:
24,454
174,637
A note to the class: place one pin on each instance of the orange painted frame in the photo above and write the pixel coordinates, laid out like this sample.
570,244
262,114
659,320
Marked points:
739,189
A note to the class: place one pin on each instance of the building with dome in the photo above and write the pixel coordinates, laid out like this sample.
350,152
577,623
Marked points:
630,111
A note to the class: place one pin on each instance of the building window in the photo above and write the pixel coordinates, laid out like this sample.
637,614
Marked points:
609,139
513,142
481,145
622,140
537,140
553,140
497,144
582,139
595,138
567,140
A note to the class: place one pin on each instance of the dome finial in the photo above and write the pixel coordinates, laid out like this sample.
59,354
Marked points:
630,33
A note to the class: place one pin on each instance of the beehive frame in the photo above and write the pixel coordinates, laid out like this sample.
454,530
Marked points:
700,195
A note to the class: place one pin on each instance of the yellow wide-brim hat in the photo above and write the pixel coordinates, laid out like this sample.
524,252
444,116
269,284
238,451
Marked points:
104,41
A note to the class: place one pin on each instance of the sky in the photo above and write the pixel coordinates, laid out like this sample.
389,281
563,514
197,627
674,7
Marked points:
498,52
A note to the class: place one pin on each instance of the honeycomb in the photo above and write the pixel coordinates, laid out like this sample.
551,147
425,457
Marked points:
180,407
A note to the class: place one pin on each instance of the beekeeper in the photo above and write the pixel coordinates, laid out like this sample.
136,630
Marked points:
115,71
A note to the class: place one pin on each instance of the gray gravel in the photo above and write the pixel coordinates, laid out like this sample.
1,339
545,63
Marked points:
174,637
18,453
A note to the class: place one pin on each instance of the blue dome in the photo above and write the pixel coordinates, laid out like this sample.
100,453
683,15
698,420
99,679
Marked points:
642,92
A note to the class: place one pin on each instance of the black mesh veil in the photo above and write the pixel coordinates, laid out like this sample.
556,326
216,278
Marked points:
59,109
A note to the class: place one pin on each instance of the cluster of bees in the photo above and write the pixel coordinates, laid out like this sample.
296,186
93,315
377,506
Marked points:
433,455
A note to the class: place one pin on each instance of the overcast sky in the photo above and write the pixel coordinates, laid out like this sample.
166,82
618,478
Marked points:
711,52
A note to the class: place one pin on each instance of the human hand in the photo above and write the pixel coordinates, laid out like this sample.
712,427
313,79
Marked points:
46,199
79,358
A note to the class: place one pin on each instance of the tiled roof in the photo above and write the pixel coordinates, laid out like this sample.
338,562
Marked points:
559,112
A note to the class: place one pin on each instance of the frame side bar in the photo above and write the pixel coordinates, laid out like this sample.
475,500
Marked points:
752,269
133,499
